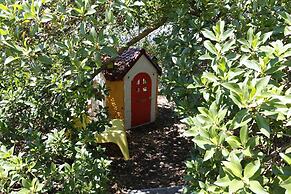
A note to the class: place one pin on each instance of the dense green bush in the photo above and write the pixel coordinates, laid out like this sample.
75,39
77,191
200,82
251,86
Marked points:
233,86
24,174
242,132
180,46
49,52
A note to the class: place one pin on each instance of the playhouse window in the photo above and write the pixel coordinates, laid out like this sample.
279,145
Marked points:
138,82
144,81
145,89
138,89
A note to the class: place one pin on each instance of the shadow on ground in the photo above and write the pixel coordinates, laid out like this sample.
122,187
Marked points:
157,151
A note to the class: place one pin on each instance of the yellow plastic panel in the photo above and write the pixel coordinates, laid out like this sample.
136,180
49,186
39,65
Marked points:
116,134
115,100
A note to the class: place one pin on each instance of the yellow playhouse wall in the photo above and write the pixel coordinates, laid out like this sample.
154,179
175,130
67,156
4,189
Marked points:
115,100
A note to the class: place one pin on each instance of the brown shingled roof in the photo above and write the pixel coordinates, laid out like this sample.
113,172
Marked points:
124,62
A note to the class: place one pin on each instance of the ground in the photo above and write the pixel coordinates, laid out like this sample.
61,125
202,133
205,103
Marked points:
158,153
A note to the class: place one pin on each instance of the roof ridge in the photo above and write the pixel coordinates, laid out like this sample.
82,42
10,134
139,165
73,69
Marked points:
123,63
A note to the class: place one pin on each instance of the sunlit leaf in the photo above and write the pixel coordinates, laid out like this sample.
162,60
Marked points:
232,87
257,188
286,158
10,59
251,168
210,47
223,182
235,185
251,64
209,34
234,167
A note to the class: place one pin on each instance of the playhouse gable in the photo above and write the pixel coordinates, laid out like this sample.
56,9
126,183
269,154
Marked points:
124,62
142,65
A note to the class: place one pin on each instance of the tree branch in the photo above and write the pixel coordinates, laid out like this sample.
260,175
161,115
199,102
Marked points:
134,40
143,34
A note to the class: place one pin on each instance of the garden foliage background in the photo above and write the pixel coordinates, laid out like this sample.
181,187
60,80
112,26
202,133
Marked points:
226,64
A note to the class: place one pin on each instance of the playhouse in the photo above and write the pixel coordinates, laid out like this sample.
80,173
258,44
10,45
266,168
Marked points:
132,81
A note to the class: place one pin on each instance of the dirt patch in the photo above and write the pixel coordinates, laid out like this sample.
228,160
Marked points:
158,153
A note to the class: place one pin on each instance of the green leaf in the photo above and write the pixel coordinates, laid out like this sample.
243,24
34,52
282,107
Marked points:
93,33
210,76
45,59
191,86
250,33
80,11
284,99
209,34
226,46
286,185
222,182
286,170
287,31
209,154
251,168
251,64
3,7
46,18
243,134
286,158
91,11
237,100
257,188
213,109
26,183
234,167
267,49
226,34
286,54
233,141
10,59
245,48
203,111
241,119
288,150
138,3
221,26
263,125
109,16
221,114
287,17
202,142
206,56
24,191
3,32
235,185
110,51
232,87
261,84
266,36
210,47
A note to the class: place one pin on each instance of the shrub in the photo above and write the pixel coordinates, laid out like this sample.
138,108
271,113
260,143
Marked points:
49,52
242,132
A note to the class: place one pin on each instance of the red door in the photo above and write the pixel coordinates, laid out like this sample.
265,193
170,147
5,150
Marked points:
141,87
